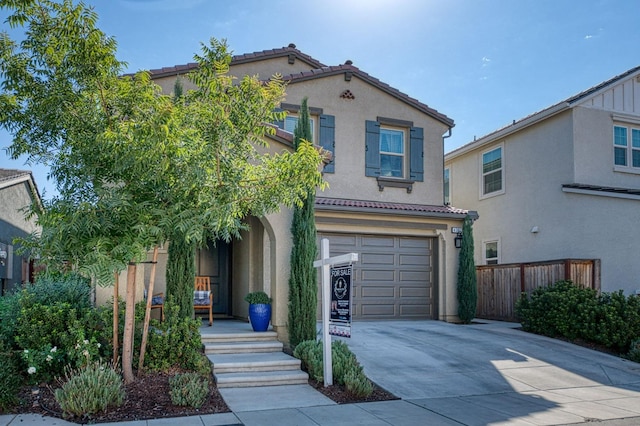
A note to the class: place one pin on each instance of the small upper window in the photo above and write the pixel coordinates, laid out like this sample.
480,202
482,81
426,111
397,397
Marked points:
492,171
620,146
291,121
447,196
392,153
491,252
625,154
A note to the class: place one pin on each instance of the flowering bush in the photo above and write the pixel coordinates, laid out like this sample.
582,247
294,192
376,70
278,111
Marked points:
43,364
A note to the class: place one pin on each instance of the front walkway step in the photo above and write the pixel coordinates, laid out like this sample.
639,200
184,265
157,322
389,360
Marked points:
244,358
243,347
241,336
251,362
261,378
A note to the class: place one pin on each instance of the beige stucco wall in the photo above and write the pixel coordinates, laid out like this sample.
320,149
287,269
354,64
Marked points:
575,146
260,259
349,180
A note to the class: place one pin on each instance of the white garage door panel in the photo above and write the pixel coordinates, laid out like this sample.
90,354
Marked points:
373,292
376,275
420,293
377,259
393,278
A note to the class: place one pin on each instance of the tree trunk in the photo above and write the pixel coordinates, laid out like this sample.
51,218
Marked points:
147,314
129,322
116,323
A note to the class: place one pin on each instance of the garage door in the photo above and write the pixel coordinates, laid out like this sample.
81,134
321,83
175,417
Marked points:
393,278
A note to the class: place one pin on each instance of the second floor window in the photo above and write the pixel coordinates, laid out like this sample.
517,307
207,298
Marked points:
291,121
447,196
492,172
626,146
391,153
394,149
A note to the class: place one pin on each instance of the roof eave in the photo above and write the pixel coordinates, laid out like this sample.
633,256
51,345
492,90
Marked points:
509,130
293,79
390,212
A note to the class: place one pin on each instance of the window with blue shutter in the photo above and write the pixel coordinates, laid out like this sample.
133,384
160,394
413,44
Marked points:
416,154
328,139
389,155
372,149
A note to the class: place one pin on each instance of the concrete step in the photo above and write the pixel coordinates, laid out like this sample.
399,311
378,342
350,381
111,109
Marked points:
243,347
251,362
261,378
242,336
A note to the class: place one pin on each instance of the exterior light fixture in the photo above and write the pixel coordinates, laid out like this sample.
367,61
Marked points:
458,240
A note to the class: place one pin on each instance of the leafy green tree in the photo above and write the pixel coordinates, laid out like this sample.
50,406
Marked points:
303,285
467,281
135,167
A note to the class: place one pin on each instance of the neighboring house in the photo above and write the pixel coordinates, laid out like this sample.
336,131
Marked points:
384,202
17,192
561,183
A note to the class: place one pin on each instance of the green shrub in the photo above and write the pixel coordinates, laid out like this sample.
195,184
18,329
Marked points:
9,314
188,389
90,390
343,361
357,384
71,288
310,353
10,378
258,298
634,351
175,342
560,309
567,310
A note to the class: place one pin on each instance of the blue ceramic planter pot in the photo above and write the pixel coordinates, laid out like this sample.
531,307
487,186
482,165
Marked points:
260,315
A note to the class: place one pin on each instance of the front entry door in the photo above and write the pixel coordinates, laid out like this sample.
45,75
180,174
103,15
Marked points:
213,261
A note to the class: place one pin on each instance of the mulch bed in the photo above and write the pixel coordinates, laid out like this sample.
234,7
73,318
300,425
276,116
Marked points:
148,398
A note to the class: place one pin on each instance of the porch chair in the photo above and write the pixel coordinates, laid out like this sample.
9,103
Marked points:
203,297
157,302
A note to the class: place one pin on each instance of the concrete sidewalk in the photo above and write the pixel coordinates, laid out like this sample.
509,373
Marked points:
484,374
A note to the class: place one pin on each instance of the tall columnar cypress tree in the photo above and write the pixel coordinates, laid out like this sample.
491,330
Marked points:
181,273
181,262
467,283
303,285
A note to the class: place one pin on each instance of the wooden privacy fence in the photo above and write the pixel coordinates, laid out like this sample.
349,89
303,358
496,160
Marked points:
500,286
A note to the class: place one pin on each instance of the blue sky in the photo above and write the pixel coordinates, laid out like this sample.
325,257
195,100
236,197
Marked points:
483,63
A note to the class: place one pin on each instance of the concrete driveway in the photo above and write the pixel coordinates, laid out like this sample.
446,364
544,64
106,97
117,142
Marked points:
493,373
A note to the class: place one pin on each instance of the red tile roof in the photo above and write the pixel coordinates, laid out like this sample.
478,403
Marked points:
380,206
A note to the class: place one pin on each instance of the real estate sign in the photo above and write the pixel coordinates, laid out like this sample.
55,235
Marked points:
340,314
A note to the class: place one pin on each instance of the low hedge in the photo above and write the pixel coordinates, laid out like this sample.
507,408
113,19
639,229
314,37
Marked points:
567,310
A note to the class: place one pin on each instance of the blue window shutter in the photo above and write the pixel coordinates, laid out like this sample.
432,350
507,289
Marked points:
372,149
279,123
328,139
416,151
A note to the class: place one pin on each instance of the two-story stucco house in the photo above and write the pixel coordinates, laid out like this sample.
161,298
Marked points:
384,202
17,192
561,183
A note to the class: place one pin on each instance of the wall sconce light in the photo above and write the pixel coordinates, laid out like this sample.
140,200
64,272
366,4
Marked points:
458,240
3,257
